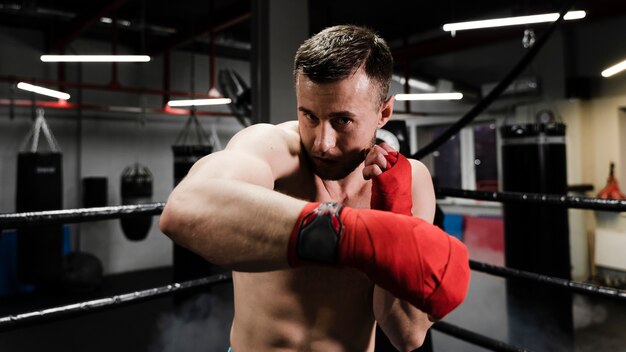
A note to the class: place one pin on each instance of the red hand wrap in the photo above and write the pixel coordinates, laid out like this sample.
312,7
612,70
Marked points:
391,190
407,256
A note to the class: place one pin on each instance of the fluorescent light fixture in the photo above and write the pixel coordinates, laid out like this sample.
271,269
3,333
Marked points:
95,58
198,102
430,96
512,21
414,83
109,20
617,68
44,91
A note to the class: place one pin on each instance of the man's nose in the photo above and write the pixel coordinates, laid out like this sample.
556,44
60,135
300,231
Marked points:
325,138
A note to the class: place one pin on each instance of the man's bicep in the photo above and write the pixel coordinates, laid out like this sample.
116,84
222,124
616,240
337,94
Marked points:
233,165
258,155
424,201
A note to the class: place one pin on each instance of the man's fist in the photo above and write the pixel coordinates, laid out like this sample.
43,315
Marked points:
391,180
376,160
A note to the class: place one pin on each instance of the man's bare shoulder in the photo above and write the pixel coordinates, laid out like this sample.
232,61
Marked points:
276,145
423,192
419,169
262,136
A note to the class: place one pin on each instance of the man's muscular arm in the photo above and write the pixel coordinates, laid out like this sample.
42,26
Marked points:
228,194
405,325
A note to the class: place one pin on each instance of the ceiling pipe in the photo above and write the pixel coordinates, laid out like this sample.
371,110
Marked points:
114,84
105,87
105,108
212,70
114,81
166,76
444,43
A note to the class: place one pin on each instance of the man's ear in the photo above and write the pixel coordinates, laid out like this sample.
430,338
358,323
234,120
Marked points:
386,111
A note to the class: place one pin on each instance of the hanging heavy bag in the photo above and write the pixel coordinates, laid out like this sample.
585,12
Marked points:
39,187
136,187
192,143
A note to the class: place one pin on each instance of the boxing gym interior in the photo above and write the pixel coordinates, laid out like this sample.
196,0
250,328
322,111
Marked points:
522,126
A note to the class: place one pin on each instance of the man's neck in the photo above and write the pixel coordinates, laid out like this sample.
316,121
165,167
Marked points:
347,187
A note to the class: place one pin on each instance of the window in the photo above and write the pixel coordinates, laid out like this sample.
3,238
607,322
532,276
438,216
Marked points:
468,160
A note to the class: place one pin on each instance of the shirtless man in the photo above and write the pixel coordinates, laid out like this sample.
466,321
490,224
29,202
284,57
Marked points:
287,207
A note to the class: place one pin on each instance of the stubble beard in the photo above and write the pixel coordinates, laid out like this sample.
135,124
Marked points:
342,167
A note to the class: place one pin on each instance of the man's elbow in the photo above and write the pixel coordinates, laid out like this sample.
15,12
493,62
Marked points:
412,341
169,222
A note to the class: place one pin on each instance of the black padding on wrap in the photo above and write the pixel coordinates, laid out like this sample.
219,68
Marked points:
318,240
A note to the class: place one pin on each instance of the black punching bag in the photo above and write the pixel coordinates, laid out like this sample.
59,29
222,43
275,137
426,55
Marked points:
537,236
185,156
136,186
188,265
39,187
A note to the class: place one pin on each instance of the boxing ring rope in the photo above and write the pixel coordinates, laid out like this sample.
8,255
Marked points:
476,339
537,198
574,286
71,216
15,220
77,309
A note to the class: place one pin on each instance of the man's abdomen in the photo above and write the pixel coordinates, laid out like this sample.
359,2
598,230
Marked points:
312,309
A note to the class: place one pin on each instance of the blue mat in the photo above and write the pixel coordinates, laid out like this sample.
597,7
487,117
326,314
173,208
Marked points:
8,262
453,225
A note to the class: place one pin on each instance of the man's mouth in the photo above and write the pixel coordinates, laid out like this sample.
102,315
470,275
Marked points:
321,160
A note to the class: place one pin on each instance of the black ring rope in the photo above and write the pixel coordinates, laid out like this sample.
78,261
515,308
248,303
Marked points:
475,338
103,213
12,322
578,287
66,216
537,198
497,90
55,313
14,220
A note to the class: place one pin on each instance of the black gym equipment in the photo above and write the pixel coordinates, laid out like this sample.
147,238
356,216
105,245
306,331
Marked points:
537,236
39,187
234,87
136,188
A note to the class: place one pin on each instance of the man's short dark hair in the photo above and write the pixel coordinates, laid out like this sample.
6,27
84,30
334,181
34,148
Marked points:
337,53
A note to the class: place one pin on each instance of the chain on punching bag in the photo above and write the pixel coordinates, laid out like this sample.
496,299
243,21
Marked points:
136,187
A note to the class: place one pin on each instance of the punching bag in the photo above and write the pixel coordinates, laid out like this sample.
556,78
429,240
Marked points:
136,187
39,187
192,143
537,236
185,156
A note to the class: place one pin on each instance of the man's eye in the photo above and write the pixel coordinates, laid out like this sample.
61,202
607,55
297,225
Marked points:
342,121
309,116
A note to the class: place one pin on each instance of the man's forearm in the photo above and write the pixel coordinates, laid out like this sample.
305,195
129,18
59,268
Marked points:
231,223
404,325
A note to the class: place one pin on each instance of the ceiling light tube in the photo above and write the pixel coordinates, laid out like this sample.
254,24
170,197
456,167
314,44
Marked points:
199,102
414,83
44,91
512,21
617,68
95,58
429,96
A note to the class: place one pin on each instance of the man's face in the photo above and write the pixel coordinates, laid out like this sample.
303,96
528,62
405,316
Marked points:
338,122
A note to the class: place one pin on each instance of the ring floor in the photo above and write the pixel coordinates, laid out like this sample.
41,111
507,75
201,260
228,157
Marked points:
203,323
